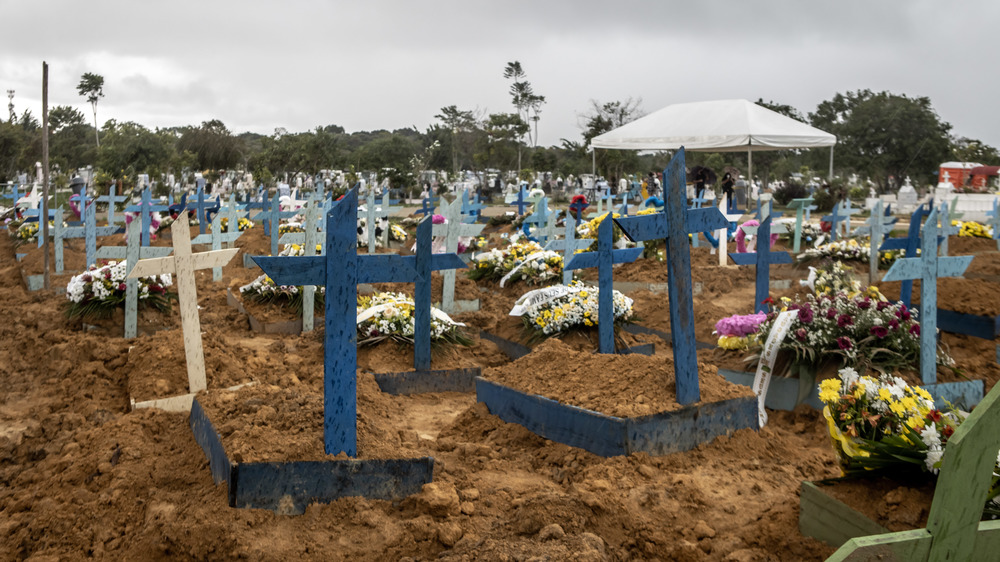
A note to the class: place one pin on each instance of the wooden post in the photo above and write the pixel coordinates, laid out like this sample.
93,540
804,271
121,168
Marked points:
43,228
131,253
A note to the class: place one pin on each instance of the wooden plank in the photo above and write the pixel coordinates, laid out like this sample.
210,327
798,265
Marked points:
977,326
577,427
511,349
783,393
210,442
830,520
418,382
685,429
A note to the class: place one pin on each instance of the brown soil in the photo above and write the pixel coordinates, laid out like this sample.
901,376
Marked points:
69,445
594,381
891,504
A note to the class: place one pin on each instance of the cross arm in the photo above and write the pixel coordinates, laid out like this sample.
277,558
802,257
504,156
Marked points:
589,260
905,269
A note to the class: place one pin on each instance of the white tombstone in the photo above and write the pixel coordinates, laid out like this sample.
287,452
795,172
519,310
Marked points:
907,195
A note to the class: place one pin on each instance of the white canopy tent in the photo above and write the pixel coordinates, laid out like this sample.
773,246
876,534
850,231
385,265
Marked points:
716,126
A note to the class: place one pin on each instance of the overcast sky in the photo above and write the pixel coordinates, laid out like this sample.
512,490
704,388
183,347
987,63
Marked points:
258,65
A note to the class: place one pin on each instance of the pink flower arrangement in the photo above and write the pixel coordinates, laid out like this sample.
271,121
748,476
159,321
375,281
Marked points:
739,325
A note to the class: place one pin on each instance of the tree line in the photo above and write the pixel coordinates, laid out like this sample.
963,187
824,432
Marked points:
881,136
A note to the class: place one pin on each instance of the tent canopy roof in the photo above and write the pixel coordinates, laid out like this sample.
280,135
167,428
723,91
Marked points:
714,126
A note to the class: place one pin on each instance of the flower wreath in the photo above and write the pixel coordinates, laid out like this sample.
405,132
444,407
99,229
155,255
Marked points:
741,244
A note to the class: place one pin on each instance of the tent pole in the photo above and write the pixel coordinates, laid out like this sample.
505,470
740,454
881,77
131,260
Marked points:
593,163
749,175
831,165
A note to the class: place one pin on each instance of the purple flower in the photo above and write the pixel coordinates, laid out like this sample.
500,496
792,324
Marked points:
879,331
844,342
437,219
893,324
831,313
865,303
805,315
844,320
801,334
882,305
915,330
739,325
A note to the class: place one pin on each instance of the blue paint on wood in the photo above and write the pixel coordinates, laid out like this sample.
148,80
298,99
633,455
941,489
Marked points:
340,271
762,258
427,206
568,246
983,327
112,201
577,208
145,208
608,436
674,224
521,201
89,232
420,382
643,349
910,244
928,268
511,349
603,259
205,210
471,208
289,487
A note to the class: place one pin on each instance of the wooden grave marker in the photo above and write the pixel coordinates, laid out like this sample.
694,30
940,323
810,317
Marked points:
217,236
800,206
723,233
521,201
340,271
145,208
910,243
674,224
471,208
89,232
601,197
112,201
568,245
372,213
132,253
954,530
203,209
308,238
427,206
451,230
603,259
928,268
272,220
947,229
762,258
182,266
841,214
541,217
388,209
876,227
577,208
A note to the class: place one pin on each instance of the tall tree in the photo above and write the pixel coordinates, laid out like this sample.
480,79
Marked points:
527,103
603,117
886,136
91,86
459,122
971,150
130,149
215,147
69,144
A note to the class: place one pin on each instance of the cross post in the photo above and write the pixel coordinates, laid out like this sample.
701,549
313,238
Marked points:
928,268
568,245
311,213
372,214
471,209
577,208
674,225
800,206
876,227
909,244
145,208
451,230
388,209
427,206
340,270
723,233
762,258
112,200
217,236
182,265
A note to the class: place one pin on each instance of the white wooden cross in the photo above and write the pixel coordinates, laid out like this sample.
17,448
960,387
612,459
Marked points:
371,214
308,239
569,245
217,237
723,233
182,265
388,210
132,253
451,231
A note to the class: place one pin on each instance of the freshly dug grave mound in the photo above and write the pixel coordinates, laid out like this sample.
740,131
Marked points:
616,385
967,296
893,504
266,423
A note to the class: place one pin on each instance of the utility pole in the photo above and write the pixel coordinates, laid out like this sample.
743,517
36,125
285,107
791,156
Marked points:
10,105
44,216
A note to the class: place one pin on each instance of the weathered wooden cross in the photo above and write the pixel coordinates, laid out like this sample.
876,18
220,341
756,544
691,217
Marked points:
340,271
601,197
471,208
89,232
217,236
674,224
762,258
182,266
577,208
928,268
876,227
947,229
451,230
272,218
427,206
388,209
909,244
372,213
132,253
723,233
603,259
112,201
800,206
540,217
145,208
841,215
205,210
568,245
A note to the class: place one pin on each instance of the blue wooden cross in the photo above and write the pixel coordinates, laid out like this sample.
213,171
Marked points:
539,217
995,222
340,271
623,210
674,225
928,268
909,244
177,209
451,230
762,258
801,207
89,232
569,245
15,194
372,214
601,197
205,210
841,214
876,227
471,209
145,208
946,228
112,201
265,211
603,259
217,236
132,253
696,203
311,213
521,201
577,208
764,211
273,216
427,206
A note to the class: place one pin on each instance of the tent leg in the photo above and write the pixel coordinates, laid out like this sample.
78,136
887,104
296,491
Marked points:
831,165
750,178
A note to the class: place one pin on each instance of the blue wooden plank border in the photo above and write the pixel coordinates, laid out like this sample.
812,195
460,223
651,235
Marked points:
417,382
288,488
665,336
685,429
511,349
984,327
609,436
643,349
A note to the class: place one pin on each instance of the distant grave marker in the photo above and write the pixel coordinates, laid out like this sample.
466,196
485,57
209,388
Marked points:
132,253
762,258
451,230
